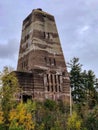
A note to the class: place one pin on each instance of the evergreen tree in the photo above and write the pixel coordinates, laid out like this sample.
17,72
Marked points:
82,84
91,90
76,80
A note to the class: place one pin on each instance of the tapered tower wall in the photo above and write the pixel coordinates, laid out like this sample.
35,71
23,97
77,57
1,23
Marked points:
41,54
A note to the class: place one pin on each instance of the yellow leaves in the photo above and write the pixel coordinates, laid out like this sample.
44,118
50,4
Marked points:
13,114
20,117
1,117
29,124
74,122
78,125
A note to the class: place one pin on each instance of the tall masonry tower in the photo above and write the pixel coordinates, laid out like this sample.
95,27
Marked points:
41,68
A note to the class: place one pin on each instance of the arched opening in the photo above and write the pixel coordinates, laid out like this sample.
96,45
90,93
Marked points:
26,98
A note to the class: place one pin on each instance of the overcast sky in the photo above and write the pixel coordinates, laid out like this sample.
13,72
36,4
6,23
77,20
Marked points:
77,23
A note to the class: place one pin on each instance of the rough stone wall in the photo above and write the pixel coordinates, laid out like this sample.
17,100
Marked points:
41,54
39,39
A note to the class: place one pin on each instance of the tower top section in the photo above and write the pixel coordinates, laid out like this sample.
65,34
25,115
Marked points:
40,45
39,13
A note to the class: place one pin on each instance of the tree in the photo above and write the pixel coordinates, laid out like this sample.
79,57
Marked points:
10,88
50,104
88,79
91,121
74,122
49,116
1,118
76,80
91,91
82,84
22,117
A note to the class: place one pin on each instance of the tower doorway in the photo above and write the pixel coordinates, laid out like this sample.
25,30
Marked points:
26,98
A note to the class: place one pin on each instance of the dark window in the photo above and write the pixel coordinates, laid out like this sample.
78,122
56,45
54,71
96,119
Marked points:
59,88
56,88
50,61
48,88
52,88
44,35
47,79
63,73
27,36
54,62
45,59
48,35
55,78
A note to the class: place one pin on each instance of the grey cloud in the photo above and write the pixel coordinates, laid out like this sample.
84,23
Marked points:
79,32
77,23
74,20
9,50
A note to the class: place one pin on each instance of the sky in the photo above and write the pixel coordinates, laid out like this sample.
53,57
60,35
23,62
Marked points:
77,24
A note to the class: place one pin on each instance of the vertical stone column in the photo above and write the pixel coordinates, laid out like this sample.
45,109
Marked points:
45,82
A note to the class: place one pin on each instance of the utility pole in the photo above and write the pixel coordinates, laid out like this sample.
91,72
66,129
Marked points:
70,102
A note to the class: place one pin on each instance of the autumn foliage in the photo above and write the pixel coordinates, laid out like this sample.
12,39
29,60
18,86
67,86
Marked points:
47,115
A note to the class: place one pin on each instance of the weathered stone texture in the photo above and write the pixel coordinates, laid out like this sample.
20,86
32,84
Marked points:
41,63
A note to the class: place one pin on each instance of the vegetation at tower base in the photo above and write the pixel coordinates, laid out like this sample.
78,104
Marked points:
74,122
47,115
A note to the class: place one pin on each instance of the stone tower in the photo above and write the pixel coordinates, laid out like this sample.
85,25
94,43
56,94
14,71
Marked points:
41,68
